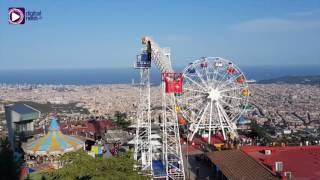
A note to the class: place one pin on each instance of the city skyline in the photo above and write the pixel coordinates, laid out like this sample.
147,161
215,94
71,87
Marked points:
107,34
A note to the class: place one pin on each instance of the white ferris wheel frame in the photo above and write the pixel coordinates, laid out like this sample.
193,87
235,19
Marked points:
212,99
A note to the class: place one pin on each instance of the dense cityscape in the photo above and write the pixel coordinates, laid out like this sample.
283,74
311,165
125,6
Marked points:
284,113
288,107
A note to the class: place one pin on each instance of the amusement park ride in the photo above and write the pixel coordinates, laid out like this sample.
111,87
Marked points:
172,83
215,95
209,96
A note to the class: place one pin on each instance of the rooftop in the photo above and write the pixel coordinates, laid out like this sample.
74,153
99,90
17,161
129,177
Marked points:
22,108
88,126
53,143
235,164
302,161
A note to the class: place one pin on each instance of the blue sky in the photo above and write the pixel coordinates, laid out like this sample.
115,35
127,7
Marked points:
106,34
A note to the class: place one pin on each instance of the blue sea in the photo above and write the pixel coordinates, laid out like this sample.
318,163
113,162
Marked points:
125,75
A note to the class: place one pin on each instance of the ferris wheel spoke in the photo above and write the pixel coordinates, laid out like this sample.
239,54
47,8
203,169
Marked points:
224,114
228,104
215,73
200,77
222,79
194,106
195,83
199,121
206,71
194,90
217,70
230,89
212,76
231,97
220,120
210,122
232,82
187,99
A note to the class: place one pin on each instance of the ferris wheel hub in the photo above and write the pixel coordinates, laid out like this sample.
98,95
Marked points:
214,95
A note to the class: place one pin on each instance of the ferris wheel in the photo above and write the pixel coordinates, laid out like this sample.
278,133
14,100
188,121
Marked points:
215,94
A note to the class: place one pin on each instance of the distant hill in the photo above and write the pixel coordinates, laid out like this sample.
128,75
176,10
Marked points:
310,80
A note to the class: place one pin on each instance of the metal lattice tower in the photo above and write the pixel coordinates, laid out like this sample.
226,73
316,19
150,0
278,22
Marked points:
172,155
143,147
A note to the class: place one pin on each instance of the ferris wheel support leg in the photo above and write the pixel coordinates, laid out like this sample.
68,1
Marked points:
210,125
231,127
198,124
221,121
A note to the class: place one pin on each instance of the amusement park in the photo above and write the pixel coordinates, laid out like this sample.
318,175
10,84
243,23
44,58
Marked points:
201,131
201,104
201,134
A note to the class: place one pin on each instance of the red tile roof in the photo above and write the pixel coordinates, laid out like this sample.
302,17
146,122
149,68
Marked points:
303,162
87,126
235,164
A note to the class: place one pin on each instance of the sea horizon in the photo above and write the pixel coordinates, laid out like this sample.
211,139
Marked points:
95,76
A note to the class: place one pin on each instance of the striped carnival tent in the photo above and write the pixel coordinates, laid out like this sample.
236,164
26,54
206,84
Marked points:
53,143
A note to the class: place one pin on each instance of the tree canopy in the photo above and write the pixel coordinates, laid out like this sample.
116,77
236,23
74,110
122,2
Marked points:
120,119
8,167
79,165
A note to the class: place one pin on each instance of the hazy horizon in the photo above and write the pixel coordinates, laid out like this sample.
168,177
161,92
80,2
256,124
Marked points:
91,76
153,68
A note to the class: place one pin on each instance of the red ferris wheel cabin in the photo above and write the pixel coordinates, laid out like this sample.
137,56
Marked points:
173,82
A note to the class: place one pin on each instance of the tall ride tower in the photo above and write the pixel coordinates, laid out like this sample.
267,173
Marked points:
143,147
171,85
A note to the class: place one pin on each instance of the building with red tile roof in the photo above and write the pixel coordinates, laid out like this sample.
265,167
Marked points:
299,162
262,162
87,128
235,164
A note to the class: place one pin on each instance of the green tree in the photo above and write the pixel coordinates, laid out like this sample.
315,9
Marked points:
259,132
256,130
79,165
120,120
8,167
